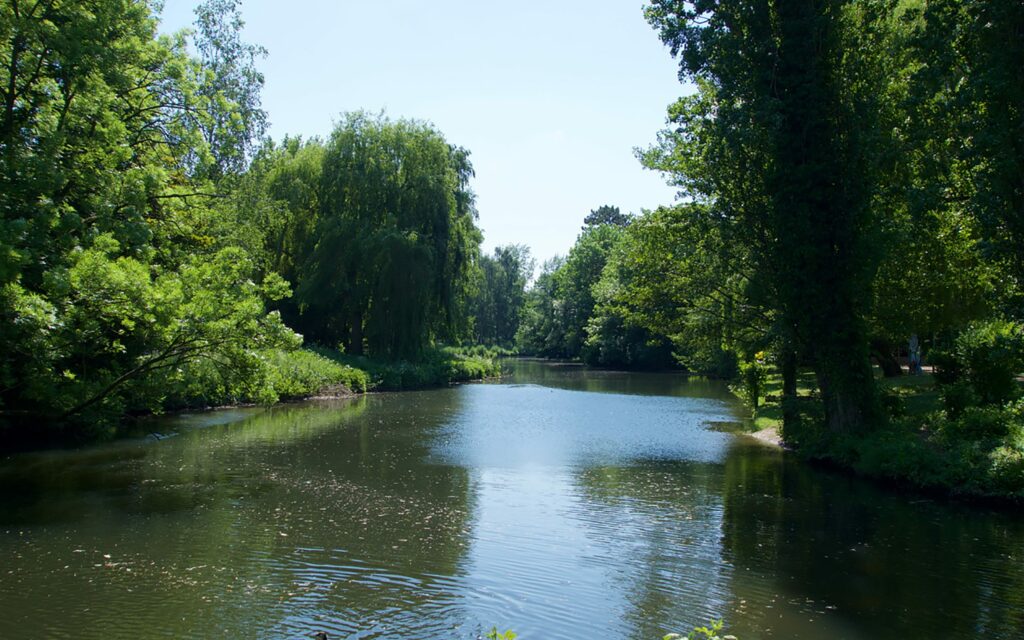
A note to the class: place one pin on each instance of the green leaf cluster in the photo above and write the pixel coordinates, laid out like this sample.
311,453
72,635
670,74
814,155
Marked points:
570,311
500,294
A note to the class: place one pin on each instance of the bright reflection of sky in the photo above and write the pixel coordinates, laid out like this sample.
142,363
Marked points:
550,97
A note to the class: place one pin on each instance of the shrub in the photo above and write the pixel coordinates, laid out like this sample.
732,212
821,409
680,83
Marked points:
437,367
957,397
302,373
1006,471
988,356
209,383
752,377
947,368
893,404
484,351
897,451
979,423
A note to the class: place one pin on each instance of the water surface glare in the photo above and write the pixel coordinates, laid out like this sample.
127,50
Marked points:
560,502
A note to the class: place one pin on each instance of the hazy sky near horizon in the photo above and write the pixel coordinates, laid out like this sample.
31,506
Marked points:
550,97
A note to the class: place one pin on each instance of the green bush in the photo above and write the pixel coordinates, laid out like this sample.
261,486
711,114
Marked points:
483,351
979,423
437,367
947,369
751,377
988,356
208,383
979,453
898,451
957,397
273,375
1006,471
894,404
302,373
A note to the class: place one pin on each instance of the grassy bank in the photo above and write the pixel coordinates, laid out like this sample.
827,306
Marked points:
318,371
926,439
272,376
437,367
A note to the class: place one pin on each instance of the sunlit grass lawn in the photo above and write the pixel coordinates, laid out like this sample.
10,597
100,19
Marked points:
918,393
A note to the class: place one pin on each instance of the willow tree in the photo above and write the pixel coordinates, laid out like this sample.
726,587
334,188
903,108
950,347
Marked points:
275,213
396,241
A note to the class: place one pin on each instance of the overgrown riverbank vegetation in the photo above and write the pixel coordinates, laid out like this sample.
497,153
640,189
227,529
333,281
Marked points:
855,177
157,251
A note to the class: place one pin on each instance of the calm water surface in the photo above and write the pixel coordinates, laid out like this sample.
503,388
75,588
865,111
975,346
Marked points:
562,503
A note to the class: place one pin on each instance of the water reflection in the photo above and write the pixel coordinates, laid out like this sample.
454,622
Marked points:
666,516
826,547
563,503
537,426
575,377
317,516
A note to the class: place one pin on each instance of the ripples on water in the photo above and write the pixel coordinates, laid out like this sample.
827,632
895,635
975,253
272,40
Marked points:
570,504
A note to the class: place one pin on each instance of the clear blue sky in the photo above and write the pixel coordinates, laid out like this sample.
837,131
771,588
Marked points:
549,97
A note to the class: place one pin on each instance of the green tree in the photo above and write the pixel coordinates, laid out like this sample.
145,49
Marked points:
575,281
111,280
560,306
616,335
673,275
227,94
276,211
129,335
396,240
775,78
542,326
500,295
606,214
967,95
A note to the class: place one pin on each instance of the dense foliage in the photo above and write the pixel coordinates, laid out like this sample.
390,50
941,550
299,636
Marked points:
850,179
500,294
113,163
852,176
151,238
570,313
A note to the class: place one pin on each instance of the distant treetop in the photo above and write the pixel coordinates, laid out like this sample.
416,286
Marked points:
606,214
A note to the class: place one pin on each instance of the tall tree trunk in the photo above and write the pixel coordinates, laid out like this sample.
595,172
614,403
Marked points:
847,391
885,354
818,208
790,414
355,334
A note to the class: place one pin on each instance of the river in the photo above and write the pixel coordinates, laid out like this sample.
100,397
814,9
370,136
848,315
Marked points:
559,502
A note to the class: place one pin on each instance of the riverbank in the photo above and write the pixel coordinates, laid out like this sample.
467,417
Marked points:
307,373
978,454
437,368
769,435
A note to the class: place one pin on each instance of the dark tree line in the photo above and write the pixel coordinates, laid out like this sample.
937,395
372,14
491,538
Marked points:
857,152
